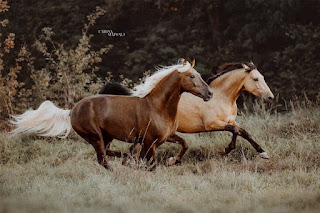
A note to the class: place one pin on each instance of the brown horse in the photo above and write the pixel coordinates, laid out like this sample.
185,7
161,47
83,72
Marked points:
148,118
219,114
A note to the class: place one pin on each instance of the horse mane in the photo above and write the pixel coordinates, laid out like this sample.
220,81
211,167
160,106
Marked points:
162,71
227,67
115,88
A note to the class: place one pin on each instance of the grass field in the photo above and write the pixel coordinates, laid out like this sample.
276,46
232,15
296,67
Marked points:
62,175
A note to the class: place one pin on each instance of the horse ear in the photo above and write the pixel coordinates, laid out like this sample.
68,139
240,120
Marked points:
193,63
245,67
185,62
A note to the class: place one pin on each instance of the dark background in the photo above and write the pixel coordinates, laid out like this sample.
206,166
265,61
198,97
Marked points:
282,37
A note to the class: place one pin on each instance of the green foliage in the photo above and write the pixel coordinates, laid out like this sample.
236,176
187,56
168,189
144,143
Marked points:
9,84
72,73
281,38
66,77
298,64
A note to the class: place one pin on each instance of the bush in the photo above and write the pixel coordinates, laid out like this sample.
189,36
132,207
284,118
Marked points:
68,75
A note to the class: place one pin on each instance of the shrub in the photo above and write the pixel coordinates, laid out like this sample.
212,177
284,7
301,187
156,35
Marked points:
67,75
9,85
72,73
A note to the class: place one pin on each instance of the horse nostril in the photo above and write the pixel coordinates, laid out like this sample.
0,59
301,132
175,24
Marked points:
270,98
209,93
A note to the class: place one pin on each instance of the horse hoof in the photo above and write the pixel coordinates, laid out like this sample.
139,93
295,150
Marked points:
152,168
108,167
264,155
171,161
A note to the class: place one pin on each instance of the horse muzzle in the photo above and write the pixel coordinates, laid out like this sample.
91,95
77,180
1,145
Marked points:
207,95
268,98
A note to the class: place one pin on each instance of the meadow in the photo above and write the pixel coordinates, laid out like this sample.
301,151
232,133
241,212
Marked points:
62,175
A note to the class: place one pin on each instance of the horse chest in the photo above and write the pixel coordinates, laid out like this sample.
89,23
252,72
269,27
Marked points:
217,115
229,115
165,128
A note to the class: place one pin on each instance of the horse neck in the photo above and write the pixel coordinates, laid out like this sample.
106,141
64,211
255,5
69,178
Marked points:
229,85
166,94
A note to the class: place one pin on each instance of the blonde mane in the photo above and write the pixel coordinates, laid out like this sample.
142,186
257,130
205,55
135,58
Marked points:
162,71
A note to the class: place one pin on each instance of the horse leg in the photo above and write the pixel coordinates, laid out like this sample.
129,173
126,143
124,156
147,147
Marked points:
223,126
150,155
135,151
133,157
245,135
118,154
107,143
184,146
232,144
97,142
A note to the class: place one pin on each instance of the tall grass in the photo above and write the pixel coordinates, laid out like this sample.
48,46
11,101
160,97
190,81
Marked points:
56,175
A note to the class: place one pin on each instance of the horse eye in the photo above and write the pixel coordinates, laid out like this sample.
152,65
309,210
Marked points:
192,76
255,79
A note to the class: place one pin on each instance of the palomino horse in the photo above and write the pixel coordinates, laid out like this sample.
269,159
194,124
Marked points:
147,118
219,114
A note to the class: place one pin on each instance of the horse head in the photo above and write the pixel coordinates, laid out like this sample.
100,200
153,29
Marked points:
254,83
192,82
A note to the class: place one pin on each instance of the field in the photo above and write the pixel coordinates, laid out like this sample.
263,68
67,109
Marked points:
62,175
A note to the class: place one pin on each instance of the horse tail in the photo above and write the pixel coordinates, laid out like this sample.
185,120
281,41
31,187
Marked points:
115,89
47,120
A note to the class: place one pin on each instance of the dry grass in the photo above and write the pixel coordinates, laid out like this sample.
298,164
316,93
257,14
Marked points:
38,175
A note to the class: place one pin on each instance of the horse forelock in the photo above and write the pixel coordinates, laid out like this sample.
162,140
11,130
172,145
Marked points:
227,67
162,71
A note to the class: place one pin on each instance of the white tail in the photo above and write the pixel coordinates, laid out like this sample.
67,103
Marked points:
47,120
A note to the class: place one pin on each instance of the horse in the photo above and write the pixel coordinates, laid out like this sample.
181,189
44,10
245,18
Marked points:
219,114
147,117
